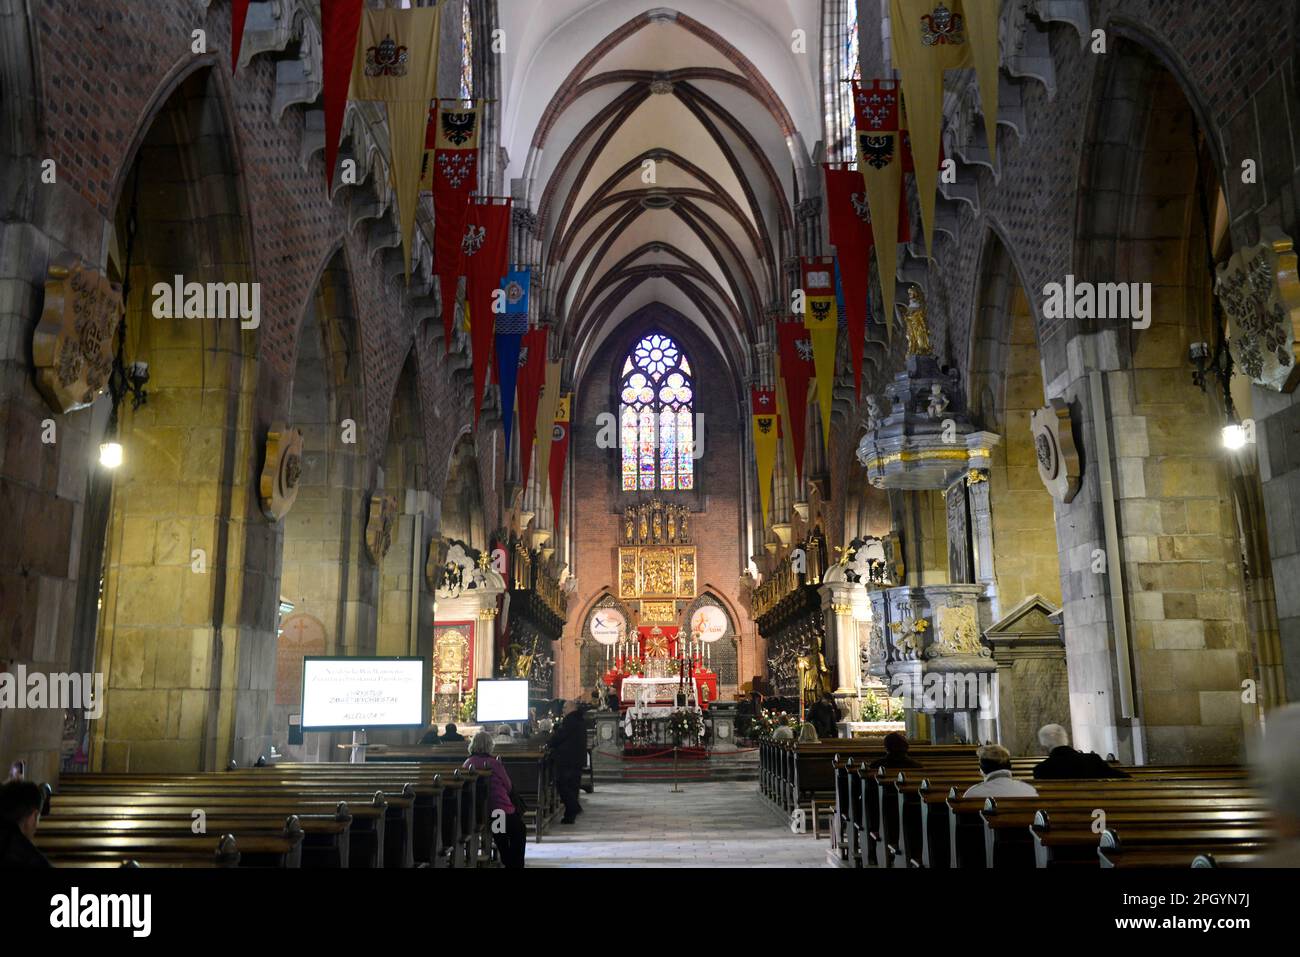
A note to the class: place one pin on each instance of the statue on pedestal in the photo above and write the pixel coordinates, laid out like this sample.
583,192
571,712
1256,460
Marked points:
918,329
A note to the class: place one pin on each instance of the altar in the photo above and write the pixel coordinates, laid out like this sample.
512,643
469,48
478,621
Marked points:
647,692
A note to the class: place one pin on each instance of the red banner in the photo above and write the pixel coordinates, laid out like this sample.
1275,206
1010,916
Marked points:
532,375
796,354
340,23
451,172
850,234
238,16
559,454
486,246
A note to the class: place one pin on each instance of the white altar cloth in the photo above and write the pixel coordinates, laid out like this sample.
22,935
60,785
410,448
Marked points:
644,692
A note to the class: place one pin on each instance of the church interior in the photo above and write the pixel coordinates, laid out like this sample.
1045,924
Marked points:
585,433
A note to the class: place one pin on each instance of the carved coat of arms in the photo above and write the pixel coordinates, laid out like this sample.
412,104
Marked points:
379,526
76,337
1260,293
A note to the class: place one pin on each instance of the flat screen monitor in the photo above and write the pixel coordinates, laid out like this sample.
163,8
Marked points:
352,694
501,699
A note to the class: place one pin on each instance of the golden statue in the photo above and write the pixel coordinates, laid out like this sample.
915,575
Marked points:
629,525
672,523
918,330
659,525
644,522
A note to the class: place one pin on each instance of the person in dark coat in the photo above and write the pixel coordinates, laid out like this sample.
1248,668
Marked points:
431,736
896,755
20,812
451,734
824,717
1064,763
568,746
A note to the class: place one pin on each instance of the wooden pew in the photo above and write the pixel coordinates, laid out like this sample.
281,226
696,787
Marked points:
400,798
112,849
361,845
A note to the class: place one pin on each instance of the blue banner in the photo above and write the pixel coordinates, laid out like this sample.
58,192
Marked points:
510,328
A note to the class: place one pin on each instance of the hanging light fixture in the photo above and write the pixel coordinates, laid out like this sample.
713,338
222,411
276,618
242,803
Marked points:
123,381
110,454
1214,361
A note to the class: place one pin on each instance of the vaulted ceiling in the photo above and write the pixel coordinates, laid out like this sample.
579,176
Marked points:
659,149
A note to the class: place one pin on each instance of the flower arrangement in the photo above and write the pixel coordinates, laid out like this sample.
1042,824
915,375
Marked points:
873,709
468,705
634,667
766,722
684,723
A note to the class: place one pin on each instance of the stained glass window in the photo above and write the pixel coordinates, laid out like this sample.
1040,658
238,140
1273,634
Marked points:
850,68
466,52
656,399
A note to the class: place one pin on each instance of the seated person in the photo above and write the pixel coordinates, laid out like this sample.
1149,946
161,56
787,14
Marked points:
807,734
783,731
896,756
1064,763
995,762
20,812
503,735
824,717
451,734
430,736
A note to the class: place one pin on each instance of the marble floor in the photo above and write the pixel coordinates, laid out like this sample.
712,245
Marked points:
644,824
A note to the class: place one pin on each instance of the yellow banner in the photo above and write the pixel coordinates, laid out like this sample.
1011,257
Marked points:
822,321
881,166
930,37
545,424
396,63
766,427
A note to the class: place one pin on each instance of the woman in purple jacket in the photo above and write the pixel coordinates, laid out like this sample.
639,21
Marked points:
505,820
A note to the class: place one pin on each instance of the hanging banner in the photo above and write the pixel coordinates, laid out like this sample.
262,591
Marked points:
766,426
397,64
547,403
532,375
849,219
511,326
786,458
881,168
559,455
340,20
451,172
486,246
795,349
927,40
238,17
821,320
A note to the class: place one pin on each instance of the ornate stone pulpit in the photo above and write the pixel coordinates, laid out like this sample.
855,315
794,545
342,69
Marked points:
925,638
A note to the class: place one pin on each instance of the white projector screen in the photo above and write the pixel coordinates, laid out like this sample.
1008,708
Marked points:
350,694
501,699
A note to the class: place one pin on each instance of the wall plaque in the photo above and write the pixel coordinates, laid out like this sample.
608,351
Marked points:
281,471
1058,457
74,342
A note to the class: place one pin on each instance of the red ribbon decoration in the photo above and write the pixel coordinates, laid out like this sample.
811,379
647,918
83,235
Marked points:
340,24
797,372
238,15
486,246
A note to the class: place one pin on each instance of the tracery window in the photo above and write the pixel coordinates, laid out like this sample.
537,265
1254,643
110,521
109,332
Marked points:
466,52
849,68
657,396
